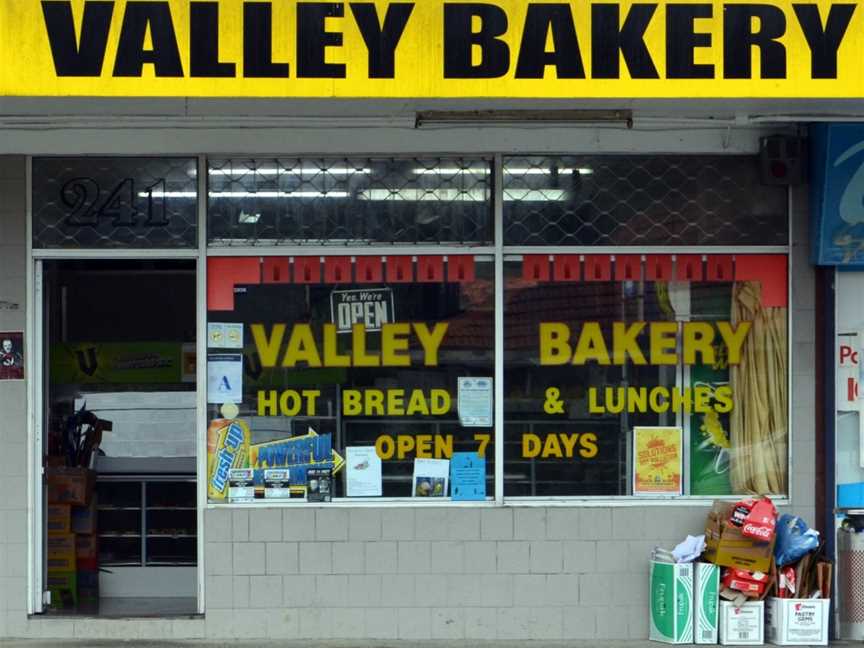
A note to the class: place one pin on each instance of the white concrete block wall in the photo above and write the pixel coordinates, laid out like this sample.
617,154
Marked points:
400,573
13,402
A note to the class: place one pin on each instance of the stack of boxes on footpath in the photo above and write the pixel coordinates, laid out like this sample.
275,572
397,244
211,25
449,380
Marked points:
72,546
750,583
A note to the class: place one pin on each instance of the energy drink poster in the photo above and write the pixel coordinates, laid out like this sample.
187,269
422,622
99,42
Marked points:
657,460
229,448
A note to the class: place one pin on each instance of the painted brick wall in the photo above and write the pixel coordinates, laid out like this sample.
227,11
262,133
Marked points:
384,573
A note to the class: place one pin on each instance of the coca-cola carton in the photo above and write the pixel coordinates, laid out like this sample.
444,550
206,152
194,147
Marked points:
729,547
761,522
751,584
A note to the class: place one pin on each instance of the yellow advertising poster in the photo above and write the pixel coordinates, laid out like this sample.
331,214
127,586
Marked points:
227,449
432,49
657,460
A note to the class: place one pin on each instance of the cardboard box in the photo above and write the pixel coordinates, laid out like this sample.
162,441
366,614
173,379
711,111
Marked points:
60,553
61,545
84,518
60,563
671,603
88,588
86,552
742,625
70,485
797,622
64,589
706,594
727,546
86,546
59,519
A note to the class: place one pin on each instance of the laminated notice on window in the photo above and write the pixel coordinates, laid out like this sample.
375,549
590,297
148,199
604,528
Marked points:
224,335
475,402
241,485
224,378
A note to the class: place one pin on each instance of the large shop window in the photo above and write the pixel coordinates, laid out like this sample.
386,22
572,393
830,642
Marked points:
632,365
335,376
633,200
119,202
645,374
352,201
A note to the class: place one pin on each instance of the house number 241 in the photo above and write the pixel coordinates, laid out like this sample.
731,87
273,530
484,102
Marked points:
88,203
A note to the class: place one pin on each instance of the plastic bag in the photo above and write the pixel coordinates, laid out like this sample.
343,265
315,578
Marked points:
794,539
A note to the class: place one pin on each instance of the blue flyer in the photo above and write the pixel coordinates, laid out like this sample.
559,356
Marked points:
467,477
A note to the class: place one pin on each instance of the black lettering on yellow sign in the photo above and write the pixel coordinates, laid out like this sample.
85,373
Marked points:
462,38
84,57
476,40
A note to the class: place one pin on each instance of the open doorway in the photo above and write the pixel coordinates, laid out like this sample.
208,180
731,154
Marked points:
120,437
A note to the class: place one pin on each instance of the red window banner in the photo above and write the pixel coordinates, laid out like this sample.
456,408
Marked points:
277,270
430,269
598,267
688,267
307,270
400,269
720,267
337,269
628,267
369,269
223,273
658,267
460,268
771,270
535,267
567,267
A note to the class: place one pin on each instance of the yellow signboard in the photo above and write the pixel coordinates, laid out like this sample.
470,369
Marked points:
657,461
431,49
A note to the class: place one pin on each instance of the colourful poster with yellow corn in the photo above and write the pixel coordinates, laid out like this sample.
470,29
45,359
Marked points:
657,460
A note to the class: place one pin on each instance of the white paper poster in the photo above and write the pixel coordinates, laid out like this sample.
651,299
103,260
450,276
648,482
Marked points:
224,378
430,477
474,402
224,335
363,478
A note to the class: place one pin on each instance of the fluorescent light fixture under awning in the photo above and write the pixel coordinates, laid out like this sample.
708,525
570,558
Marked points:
406,195
514,171
517,117
275,171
